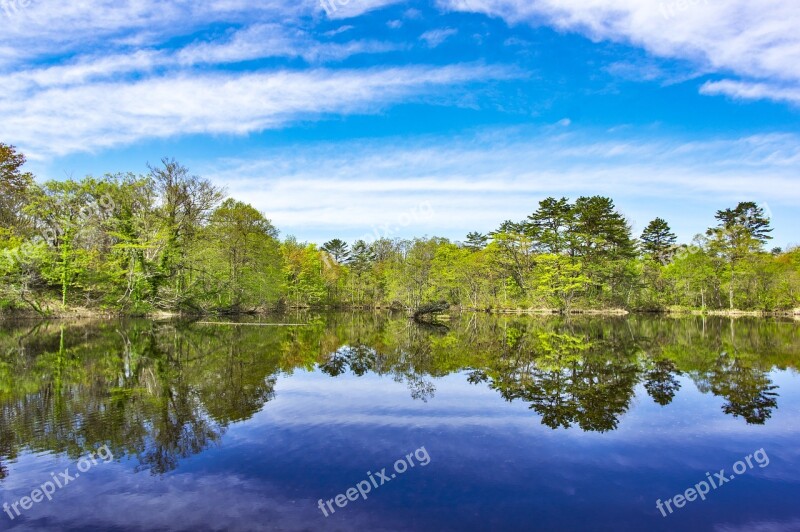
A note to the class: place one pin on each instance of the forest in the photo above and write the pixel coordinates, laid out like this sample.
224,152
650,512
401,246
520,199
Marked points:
170,241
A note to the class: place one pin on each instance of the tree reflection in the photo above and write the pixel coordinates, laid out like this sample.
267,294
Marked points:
164,391
662,384
747,390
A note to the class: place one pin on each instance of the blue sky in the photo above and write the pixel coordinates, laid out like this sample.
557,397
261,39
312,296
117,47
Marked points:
393,118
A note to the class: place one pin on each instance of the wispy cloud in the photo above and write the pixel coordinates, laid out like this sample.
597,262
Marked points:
746,90
101,114
757,41
478,181
434,38
45,28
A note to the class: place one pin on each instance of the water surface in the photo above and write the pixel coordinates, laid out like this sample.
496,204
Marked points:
527,423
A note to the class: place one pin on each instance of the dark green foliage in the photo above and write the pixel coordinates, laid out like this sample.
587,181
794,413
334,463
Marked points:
658,240
338,249
476,241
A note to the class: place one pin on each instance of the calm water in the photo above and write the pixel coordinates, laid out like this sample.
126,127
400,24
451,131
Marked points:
511,424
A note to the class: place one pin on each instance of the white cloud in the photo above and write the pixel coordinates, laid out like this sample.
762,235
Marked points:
434,38
754,40
274,40
85,117
744,90
350,189
61,27
342,9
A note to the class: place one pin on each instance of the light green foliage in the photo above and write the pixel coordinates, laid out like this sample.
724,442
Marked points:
170,240
303,271
244,258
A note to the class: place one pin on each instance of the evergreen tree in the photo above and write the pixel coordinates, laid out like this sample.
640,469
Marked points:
476,241
658,240
741,232
338,249
551,225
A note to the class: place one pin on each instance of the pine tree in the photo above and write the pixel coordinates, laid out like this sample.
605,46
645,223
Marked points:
476,241
551,225
741,232
337,249
658,240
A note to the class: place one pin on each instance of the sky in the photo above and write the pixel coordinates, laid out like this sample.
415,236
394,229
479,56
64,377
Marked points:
388,118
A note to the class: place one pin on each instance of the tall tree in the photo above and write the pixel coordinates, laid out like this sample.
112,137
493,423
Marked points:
338,249
476,241
658,240
61,212
14,186
361,260
186,202
515,252
741,231
552,224
602,240
247,243
601,231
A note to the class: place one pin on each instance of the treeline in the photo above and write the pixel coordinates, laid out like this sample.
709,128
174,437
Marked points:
172,241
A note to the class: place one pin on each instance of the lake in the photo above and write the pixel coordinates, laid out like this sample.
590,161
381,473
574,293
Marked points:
362,421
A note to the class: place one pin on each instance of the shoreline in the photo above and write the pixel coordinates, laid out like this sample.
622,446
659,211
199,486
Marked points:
84,313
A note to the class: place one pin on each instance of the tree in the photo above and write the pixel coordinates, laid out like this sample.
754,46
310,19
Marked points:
14,186
136,230
303,269
602,239
741,231
515,252
601,232
61,212
559,280
476,241
362,257
246,242
337,249
659,241
552,225
186,203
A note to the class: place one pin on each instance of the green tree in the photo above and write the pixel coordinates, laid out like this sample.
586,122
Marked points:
476,241
553,224
14,187
303,269
246,243
741,231
338,249
362,258
186,202
515,252
602,239
64,216
658,241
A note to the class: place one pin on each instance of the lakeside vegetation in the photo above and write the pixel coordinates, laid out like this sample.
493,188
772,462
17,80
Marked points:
171,241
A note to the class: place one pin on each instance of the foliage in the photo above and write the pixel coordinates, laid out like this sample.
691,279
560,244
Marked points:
170,240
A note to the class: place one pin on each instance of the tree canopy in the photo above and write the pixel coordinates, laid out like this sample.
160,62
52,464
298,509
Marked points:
170,240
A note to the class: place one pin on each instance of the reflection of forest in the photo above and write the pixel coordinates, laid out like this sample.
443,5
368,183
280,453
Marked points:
164,391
